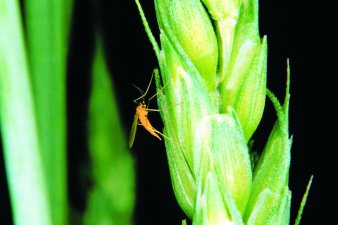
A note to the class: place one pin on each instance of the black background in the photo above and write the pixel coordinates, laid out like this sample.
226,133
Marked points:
294,31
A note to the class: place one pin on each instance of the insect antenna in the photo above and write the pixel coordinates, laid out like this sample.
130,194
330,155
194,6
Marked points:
141,92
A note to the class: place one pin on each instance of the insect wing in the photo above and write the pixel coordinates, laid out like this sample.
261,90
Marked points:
133,131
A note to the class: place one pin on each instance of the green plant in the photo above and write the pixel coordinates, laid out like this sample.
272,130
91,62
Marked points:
33,116
213,68
33,121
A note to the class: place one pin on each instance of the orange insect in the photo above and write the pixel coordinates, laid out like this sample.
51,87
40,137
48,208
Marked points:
141,115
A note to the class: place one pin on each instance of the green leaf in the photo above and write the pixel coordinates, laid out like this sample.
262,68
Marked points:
182,178
262,206
47,28
283,214
112,198
302,204
272,171
22,151
271,208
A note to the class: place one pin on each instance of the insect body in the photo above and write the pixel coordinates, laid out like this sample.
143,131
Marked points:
141,116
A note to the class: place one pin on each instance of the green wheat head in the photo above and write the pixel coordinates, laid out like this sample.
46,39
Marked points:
213,67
